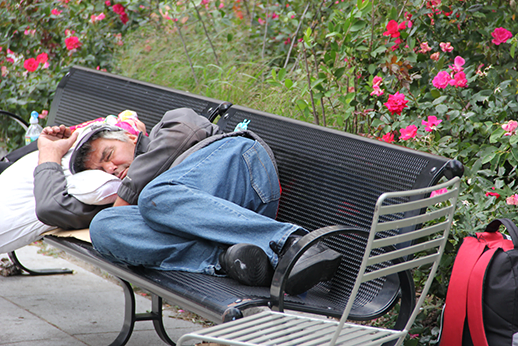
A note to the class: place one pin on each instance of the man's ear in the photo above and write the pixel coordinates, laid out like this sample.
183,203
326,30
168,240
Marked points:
133,138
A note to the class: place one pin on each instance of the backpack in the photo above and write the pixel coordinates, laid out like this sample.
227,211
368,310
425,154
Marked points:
482,300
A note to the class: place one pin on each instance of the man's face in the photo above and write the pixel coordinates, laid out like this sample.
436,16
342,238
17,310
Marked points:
112,155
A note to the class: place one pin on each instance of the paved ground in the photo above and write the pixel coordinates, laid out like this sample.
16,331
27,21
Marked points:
78,309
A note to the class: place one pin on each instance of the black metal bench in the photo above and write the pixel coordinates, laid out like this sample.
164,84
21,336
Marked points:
328,178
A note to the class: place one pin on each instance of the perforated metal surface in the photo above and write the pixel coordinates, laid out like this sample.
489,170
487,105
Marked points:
84,94
331,178
328,177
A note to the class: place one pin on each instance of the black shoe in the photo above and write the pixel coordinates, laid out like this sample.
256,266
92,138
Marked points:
318,263
247,264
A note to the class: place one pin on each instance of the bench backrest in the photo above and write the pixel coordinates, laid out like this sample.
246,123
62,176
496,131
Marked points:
328,177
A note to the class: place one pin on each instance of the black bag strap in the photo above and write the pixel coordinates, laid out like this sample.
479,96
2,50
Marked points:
509,225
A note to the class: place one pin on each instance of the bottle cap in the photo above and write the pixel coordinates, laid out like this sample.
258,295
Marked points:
34,117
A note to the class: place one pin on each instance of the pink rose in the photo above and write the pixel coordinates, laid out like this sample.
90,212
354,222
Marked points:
512,200
442,80
376,81
396,103
387,137
431,124
446,47
408,132
457,64
435,56
459,80
501,35
424,47
377,91
124,18
510,127
56,12
438,192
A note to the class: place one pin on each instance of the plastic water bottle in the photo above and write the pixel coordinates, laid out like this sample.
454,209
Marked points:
34,130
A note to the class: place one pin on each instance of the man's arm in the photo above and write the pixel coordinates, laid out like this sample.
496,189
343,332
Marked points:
54,206
179,130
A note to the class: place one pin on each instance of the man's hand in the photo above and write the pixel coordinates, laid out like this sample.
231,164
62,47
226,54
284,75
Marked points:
54,142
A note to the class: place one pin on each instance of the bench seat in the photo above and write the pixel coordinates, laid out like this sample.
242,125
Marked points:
328,177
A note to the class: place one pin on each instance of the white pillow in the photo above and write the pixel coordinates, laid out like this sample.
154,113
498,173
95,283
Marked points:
19,224
93,187
90,187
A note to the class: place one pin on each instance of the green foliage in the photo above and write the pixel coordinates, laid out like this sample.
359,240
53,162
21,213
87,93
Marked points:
40,30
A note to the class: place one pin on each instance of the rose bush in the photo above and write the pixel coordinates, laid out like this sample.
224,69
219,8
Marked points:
454,62
41,39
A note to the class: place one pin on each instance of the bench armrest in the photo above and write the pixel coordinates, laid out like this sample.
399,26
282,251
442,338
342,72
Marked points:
286,264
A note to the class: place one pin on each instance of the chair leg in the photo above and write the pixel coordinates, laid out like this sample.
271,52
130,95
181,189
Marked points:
50,271
407,302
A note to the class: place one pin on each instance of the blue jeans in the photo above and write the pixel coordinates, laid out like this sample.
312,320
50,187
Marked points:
221,195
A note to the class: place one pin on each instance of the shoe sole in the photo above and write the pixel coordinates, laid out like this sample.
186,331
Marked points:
248,264
309,272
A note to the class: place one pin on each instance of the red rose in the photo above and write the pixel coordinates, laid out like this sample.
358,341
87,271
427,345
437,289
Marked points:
501,35
124,18
119,9
72,42
30,64
396,103
42,58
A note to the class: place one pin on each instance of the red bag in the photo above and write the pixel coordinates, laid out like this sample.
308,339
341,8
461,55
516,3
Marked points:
482,301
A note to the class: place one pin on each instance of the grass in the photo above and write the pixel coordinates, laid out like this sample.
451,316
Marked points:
155,54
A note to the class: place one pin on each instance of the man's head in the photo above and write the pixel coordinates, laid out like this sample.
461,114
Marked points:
107,148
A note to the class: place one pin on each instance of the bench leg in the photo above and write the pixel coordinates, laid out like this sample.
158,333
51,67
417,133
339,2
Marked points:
130,317
54,271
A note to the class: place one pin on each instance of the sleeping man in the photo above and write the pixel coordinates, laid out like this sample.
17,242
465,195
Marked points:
192,198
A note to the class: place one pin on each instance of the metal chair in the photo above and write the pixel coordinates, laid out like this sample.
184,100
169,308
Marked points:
432,216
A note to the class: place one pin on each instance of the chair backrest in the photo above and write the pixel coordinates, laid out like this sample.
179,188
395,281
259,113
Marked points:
431,228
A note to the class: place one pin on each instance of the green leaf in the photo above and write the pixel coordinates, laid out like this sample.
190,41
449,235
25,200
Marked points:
357,26
338,73
361,4
288,83
274,83
282,73
513,140
488,158
302,104
513,48
376,123
496,135
514,151
378,50
441,109
435,93
439,100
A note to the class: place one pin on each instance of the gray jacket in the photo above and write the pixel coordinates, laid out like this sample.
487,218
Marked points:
177,135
